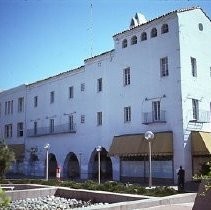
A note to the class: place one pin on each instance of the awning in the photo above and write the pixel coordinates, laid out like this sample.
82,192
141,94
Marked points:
201,143
136,144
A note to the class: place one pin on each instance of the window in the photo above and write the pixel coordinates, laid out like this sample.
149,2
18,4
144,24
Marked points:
35,101
210,107
52,93
35,128
193,67
164,67
200,27
20,104
71,123
8,107
127,114
164,29
82,87
100,85
153,32
99,64
71,93
11,106
5,108
134,40
8,131
82,118
126,75
51,128
195,107
143,36
156,111
124,43
99,118
20,129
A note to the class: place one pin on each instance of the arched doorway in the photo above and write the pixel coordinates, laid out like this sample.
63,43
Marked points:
105,163
52,165
71,167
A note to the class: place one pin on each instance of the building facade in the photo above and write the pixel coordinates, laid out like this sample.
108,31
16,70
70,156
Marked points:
156,78
12,123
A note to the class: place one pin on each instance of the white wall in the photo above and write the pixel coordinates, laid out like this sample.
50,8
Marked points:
144,62
182,41
15,117
197,44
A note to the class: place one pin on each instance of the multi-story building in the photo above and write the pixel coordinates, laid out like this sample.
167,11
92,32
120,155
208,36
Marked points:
156,78
12,123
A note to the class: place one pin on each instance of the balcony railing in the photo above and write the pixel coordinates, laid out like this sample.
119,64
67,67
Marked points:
154,117
201,116
42,131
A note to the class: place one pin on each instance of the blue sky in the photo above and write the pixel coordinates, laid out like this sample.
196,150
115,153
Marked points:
41,38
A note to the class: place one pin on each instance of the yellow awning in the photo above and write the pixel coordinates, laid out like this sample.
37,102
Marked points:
136,144
201,143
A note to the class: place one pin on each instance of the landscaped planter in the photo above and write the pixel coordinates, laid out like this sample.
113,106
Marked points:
203,198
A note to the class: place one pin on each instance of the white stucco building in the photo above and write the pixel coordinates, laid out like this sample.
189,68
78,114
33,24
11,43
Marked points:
157,77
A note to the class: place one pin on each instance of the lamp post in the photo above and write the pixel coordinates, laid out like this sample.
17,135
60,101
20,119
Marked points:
98,149
47,146
149,136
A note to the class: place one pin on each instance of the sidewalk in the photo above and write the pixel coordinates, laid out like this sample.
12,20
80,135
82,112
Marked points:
182,206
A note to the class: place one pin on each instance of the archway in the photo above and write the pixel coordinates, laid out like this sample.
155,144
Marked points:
105,163
52,165
71,167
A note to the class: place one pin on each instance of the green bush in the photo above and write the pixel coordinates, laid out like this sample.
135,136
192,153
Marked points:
161,191
205,169
4,200
118,187
110,186
90,185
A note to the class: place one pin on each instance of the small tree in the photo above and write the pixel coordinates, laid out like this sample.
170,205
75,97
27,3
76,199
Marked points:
4,199
7,156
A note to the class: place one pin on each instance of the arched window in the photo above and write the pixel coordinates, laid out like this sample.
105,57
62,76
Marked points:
153,32
164,29
143,36
124,43
133,40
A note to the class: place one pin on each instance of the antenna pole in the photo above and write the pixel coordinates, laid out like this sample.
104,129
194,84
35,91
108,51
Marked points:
91,28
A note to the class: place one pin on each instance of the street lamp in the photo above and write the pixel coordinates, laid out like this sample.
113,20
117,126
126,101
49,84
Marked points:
98,149
149,136
47,146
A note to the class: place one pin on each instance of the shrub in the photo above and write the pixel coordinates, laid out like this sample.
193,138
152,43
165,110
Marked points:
4,200
161,191
7,156
110,186
205,169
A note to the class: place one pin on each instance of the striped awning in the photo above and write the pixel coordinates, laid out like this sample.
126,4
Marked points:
136,144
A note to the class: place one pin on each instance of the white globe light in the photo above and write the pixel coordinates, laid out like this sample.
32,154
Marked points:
98,148
47,146
149,135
